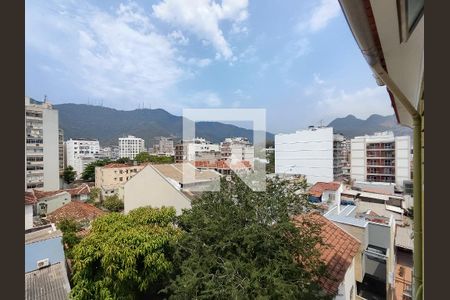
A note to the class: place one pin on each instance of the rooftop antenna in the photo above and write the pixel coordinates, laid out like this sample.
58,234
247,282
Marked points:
321,123
45,98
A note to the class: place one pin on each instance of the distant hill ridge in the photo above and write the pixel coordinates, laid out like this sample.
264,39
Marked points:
350,126
108,124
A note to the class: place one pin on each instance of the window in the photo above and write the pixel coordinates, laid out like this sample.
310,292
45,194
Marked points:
121,178
410,13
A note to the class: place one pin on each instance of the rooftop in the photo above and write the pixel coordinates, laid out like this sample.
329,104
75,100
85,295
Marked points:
340,249
30,198
82,189
50,283
175,172
41,194
76,210
42,234
403,237
319,187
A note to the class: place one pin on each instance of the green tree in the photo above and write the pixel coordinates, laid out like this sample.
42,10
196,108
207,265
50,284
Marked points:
113,203
69,228
94,195
142,157
126,256
89,171
145,157
69,174
241,244
123,160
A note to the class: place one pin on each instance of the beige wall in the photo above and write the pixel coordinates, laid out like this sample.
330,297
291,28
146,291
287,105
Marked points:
150,188
360,235
108,179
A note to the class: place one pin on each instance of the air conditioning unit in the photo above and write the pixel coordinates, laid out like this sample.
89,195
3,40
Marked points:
43,263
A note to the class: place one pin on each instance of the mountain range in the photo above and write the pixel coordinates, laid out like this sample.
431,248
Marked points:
108,124
350,126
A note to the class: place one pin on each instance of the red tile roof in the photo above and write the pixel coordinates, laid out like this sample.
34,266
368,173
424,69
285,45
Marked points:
221,164
339,250
116,165
41,194
82,189
76,210
30,198
317,189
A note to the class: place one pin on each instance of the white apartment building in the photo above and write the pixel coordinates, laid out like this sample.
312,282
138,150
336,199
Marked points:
315,153
187,150
237,149
41,146
381,157
130,146
80,152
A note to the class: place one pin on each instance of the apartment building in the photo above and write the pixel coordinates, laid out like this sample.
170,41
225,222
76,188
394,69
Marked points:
41,146
315,153
62,161
130,146
237,149
80,152
164,146
111,177
187,150
381,157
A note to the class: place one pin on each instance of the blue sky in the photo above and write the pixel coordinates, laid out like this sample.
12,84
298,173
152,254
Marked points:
295,58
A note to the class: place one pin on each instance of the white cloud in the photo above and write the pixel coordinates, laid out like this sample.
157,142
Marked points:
317,79
117,55
202,17
361,103
320,16
205,98
178,37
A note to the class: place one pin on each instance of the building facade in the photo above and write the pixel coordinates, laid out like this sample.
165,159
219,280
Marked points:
382,157
130,146
42,154
110,177
315,152
164,146
188,150
81,152
136,193
237,149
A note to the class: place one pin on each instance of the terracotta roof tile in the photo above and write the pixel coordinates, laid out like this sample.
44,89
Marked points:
339,250
317,189
42,194
30,198
77,210
83,189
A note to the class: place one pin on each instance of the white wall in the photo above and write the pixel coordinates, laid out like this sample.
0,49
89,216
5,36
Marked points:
54,202
150,188
348,284
402,159
306,152
28,216
51,149
358,159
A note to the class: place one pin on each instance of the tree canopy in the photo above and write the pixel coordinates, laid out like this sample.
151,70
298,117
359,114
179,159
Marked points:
89,171
241,244
125,256
113,203
145,157
69,174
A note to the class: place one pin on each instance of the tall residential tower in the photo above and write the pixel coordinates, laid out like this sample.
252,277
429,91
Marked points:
41,146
